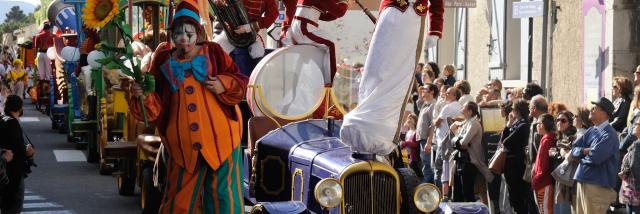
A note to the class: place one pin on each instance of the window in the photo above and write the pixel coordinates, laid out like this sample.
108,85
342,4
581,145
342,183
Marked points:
461,43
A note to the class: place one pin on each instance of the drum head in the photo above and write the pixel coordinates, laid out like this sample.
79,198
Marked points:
344,92
288,83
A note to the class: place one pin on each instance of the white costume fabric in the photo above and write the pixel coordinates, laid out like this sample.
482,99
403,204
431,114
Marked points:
299,33
256,49
388,72
44,66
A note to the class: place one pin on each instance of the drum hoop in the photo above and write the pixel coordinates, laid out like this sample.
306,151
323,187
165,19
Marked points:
336,103
270,110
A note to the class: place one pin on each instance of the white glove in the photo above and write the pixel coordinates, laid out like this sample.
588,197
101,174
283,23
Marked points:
431,41
246,28
223,41
256,50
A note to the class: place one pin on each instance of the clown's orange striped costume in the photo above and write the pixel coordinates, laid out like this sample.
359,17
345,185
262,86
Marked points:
202,130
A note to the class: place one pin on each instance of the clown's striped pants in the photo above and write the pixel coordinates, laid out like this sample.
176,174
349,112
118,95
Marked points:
205,190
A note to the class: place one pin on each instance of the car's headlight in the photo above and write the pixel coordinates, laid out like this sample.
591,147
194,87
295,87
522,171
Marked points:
427,197
328,192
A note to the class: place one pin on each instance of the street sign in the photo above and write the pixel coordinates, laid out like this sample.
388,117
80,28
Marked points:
527,9
460,3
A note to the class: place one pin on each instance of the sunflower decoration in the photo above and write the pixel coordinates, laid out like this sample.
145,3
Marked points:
97,13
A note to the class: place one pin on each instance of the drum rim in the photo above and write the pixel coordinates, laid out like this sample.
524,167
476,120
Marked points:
257,92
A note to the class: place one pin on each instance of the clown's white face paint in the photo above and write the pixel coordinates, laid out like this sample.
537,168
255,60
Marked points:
185,37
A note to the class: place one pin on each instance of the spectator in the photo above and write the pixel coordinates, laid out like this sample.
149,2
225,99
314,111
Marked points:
582,121
490,87
439,83
449,111
541,182
470,160
555,108
411,145
5,157
515,93
424,129
418,73
538,106
433,67
11,198
465,88
564,195
622,90
514,140
440,102
630,175
427,76
449,71
597,152
627,137
491,100
532,90
636,76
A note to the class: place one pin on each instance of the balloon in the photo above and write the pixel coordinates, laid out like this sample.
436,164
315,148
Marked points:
71,54
93,57
51,53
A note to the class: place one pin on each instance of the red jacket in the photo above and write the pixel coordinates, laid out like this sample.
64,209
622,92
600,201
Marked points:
435,8
331,9
264,12
542,167
43,41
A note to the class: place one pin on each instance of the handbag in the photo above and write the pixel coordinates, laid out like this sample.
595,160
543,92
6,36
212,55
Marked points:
496,165
564,173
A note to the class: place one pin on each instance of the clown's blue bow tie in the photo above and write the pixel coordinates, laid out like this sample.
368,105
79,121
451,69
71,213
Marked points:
197,66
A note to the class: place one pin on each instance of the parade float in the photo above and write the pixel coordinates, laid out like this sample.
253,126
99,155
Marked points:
292,163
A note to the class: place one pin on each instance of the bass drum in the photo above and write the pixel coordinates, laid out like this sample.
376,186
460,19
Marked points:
288,83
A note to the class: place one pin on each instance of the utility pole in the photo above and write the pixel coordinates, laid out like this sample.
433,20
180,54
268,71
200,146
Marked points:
545,38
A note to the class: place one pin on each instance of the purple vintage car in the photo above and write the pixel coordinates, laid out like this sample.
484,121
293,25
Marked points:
304,167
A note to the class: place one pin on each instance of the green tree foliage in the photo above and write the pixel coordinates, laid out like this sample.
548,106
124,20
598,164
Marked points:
16,19
15,14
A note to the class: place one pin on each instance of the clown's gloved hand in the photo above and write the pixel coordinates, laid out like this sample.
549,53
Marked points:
431,41
256,50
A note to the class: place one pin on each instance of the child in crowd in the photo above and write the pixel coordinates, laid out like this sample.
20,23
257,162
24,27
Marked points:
448,72
411,145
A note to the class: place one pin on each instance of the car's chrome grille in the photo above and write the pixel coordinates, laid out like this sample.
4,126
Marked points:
358,196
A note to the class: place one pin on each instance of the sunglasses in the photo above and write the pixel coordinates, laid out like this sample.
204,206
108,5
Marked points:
562,120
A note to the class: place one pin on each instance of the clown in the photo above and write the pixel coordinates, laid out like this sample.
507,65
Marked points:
261,15
18,78
194,106
388,72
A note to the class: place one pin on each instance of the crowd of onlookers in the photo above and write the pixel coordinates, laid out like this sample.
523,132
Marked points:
548,159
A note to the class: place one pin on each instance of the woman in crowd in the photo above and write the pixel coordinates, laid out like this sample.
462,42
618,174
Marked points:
627,137
555,108
18,78
630,173
514,141
469,160
581,121
432,66
564,195
541,181
622,89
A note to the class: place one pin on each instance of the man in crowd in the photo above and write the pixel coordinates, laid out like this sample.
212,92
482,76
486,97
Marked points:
494,84
465,88
598,157
424,129
12,196
537,106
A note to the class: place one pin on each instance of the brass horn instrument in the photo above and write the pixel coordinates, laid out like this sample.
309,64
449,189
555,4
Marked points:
232,15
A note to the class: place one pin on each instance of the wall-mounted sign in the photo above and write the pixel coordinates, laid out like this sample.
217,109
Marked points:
460,3
527,9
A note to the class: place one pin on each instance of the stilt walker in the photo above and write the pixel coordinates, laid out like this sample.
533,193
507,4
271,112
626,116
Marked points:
371,127
194,106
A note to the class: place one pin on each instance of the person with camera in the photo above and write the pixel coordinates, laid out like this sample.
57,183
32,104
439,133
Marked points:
12,196
469,155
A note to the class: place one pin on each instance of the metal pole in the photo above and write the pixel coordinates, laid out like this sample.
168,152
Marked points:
545,37
530,52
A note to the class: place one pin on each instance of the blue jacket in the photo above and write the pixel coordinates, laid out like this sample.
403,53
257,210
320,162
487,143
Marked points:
601,165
